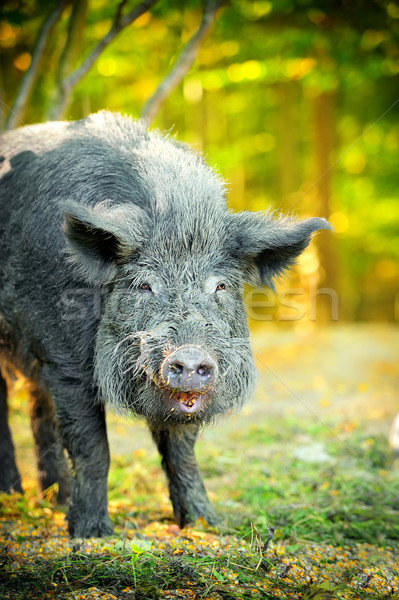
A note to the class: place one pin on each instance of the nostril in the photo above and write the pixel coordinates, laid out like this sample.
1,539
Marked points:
176,368
204,370
189,368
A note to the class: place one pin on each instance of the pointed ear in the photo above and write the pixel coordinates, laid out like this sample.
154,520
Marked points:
268,245
101,238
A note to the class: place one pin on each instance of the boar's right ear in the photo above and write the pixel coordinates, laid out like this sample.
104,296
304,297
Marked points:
267,244
101,238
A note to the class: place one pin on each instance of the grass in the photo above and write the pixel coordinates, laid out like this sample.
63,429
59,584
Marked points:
351,495
307,512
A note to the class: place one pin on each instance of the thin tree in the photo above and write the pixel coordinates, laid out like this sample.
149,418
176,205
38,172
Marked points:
28,81
67,84
184,61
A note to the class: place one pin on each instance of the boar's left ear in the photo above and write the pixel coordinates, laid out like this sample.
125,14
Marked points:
102,237
267,245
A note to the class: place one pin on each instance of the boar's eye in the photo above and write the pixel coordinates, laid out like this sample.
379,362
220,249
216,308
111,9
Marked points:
145,287
220,287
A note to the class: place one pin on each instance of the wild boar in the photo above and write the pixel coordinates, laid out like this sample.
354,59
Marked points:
121,286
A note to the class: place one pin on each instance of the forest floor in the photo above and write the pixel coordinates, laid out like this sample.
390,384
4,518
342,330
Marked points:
303,479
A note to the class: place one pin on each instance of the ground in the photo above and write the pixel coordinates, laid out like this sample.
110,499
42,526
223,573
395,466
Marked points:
303,478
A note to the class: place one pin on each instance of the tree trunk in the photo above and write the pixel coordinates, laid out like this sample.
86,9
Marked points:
28,81
68,84
288,142
324,143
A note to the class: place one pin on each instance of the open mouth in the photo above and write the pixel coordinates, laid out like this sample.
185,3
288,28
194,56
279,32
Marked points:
189,401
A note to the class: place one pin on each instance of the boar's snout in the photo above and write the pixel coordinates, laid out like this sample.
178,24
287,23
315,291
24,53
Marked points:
189,369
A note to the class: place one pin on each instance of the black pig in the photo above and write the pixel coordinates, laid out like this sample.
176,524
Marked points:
121,284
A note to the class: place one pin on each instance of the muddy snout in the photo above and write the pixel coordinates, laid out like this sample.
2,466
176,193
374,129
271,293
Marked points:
189,369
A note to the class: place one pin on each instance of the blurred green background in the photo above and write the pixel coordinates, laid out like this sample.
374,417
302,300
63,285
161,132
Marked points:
294,101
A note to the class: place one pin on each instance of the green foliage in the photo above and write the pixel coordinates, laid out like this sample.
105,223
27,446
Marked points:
295,101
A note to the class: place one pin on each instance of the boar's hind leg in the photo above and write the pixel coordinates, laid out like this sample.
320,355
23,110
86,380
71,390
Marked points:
83,430
187,491
51,460
9,477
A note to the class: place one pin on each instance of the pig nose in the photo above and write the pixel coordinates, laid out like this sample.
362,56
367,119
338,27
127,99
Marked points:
189,369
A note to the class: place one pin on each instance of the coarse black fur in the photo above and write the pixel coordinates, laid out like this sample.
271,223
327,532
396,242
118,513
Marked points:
117,248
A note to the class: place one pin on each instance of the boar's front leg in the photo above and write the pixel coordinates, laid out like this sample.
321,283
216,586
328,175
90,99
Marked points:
83,430
186,489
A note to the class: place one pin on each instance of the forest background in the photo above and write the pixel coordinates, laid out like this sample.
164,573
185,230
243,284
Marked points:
295,102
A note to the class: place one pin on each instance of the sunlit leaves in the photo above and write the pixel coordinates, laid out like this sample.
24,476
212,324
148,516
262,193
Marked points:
249,103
